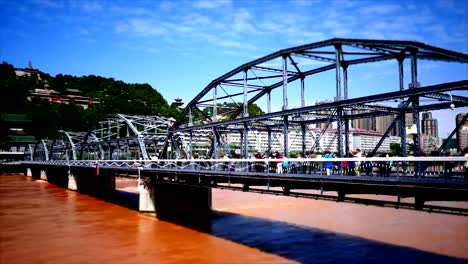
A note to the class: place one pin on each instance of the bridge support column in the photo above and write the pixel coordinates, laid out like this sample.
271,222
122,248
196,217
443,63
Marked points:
182,202
28,172
57,175
43,175
36,172
146,199
88,181
72,182
419,202
177,202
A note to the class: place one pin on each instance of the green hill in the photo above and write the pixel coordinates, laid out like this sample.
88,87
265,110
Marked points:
47,118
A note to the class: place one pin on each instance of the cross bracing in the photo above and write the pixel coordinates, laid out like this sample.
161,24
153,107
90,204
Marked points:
65,146
256,80
221,108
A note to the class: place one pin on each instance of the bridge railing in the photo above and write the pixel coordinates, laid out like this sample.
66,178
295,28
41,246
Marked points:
454,167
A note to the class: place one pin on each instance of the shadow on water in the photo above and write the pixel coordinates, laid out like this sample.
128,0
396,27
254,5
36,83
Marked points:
299,243
126,199
310,245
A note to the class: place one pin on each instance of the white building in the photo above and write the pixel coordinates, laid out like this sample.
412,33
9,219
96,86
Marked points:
362,139
366,140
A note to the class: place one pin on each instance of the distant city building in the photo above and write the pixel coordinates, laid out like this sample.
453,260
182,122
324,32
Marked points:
429,125
366,140
367,123
323,113
462,132
375,123
363,139
383,122
430,143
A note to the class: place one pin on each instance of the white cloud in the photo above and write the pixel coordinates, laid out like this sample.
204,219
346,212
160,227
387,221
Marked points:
166,6
119,10
143,27
83,31
48,3
211,4
197,19
304,3
453,6
91,6
381,9
241,22
225,42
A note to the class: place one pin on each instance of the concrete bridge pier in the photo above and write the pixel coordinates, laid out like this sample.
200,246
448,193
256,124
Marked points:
57,175
72,182
177,202
43,175
35,172
88,180
28,172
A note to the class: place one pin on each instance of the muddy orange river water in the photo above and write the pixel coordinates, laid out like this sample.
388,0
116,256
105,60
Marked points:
42,223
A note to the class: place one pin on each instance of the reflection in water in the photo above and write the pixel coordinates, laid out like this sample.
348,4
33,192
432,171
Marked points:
41,223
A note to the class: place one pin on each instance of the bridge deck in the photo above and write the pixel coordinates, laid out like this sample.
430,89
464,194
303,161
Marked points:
309,180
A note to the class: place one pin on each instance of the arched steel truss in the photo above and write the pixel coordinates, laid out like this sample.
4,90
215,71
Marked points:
41,150
121,136
114,137
229,96
127,137
65,146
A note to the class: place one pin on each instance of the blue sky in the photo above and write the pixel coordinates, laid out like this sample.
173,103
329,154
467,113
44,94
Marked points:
178,47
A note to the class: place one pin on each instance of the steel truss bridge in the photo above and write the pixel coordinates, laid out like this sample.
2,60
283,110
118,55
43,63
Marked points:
221,108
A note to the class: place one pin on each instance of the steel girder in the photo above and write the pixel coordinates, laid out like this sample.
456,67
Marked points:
261,76
121,136
314,114
257,79
29,152
41,150
311,110
64,147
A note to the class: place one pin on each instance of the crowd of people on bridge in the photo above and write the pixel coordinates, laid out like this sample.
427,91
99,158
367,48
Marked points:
350,168
280,164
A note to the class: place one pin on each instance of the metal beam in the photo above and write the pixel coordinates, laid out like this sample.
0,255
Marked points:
447,140
459,85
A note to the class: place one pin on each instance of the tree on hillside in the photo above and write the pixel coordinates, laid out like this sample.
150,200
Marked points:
115,97
14,90
225,111
45,119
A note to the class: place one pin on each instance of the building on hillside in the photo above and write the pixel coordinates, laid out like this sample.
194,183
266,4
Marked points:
27,71
16,138
178,102
69,96
52,96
